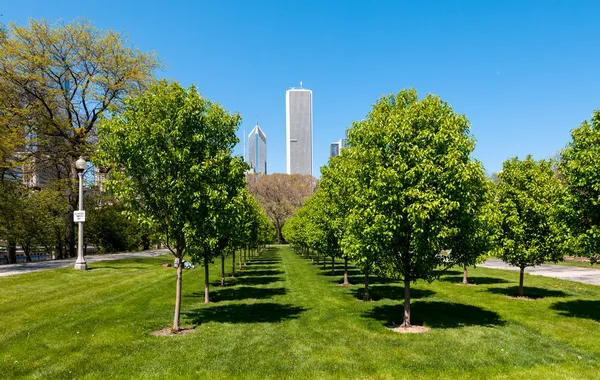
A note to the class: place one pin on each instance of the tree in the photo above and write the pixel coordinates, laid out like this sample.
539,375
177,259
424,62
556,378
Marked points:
529,197
476,223
37,220
281,195
63,78
168,150
410,164
580,166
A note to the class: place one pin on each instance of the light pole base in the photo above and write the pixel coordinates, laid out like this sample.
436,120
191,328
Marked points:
81,266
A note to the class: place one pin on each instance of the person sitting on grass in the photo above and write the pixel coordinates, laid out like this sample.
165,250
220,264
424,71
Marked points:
186,265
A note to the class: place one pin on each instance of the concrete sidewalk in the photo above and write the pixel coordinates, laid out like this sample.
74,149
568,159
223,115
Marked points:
13,269
586,276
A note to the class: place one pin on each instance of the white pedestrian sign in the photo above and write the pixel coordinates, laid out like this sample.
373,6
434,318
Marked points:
79,216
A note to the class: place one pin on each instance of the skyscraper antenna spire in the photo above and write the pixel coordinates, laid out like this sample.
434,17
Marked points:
301,85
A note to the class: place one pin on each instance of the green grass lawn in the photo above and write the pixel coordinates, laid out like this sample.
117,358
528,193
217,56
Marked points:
284,317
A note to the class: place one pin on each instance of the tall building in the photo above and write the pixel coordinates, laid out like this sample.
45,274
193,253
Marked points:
336,147
257,150
298,127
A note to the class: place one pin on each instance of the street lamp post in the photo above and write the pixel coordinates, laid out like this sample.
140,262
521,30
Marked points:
80,264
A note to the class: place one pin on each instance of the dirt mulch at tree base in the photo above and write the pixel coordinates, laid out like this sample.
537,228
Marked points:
410,330
526,298
344,284
467,284
169,332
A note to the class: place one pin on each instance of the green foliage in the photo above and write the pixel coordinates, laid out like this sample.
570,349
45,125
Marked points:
529,198
30,218
477,221
580,166
109,229
411,169
169,151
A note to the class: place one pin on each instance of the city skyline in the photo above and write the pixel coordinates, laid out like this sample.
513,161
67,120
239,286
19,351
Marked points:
501,64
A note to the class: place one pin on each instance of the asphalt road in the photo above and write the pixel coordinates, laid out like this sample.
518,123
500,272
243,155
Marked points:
586,276
13,269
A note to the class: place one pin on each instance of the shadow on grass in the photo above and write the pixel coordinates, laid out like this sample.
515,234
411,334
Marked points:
447,272
250,272
437,315
528,292
339,272
250,280
475,280
258,267
579,308
241,293
244,313
263,261
379,292
360,279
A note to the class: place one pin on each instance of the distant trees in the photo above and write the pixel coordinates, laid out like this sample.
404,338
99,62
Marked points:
29,218
281,195
170,154
529,196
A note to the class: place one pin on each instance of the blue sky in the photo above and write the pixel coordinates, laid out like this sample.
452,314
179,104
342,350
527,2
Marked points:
524,72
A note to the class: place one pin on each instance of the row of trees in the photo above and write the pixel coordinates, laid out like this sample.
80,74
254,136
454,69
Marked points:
406,199
169,151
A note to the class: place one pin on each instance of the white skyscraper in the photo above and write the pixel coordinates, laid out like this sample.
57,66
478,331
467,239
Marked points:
257,150
298,126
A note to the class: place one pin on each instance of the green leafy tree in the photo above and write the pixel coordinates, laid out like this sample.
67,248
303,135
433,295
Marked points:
410,163
476,223
580,166
168,150
529,197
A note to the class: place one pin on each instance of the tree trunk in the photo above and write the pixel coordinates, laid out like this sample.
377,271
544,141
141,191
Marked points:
233,263
240,261
245,258
27,255
317,259
206,282
332,265
278,234
465,281
366,296
346,282
406,322
12,251
178,294
222,270
521,281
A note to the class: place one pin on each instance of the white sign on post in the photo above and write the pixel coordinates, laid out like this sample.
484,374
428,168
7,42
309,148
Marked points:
79,216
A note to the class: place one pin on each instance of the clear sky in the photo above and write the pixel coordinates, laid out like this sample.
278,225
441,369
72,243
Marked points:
524,72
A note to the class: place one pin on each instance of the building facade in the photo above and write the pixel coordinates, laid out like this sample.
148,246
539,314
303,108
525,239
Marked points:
336,147
257,150
298,124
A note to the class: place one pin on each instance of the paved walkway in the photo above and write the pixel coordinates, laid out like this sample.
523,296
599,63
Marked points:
586,276
12,269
